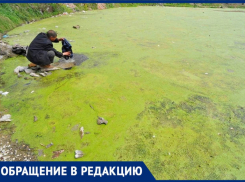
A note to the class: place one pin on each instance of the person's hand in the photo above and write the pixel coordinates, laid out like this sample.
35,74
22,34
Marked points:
61,39
66,53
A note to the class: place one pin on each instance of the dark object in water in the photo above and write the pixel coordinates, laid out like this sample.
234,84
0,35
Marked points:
57,153
35,118
20,50
101,120
76,26
64,64
79,59
49,145
78,154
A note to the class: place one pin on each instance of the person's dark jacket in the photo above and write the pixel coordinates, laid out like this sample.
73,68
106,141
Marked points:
37,51
66,47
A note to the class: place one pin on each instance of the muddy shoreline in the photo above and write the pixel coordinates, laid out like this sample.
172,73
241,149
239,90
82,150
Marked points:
11,150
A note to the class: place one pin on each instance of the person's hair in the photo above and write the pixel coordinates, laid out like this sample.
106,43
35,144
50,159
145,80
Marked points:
51,33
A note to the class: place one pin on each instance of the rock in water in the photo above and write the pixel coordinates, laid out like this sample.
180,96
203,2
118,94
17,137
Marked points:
6,117
57,153
76,27
5,93
49,145
81,132
78,154
40,152
101,120
42,74
28,71
19,69
47,73
34,75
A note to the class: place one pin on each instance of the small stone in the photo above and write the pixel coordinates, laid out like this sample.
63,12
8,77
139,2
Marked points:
231,128
76,26
42,74
48,73
206,73
57,153
78,154
49,145
35,118
101,120
81,132
28,71
16,70
40,152
34,75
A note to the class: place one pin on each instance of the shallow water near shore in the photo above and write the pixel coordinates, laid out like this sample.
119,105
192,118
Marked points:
169,81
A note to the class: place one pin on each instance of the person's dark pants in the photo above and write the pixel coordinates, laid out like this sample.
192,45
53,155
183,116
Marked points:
51,55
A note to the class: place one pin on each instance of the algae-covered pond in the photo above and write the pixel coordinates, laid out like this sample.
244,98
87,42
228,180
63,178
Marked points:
170,81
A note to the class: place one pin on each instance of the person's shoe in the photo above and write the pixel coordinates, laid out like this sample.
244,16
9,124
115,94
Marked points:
32,65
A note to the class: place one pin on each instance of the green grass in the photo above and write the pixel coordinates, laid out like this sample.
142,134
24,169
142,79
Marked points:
13,15
146,76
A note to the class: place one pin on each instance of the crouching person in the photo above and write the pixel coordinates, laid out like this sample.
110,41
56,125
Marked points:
41,51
